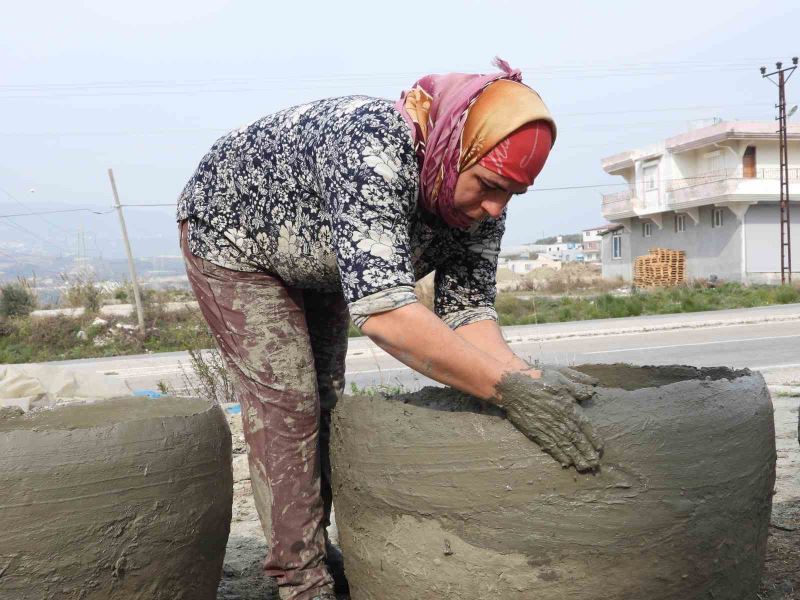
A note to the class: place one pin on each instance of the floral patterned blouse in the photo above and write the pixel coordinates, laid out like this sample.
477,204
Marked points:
324,195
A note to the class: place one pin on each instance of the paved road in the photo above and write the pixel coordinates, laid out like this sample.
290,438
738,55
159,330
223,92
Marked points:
758,346
761,338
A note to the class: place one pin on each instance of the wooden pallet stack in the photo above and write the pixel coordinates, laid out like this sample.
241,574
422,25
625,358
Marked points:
660,268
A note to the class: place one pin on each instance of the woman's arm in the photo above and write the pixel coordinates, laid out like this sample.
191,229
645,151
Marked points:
418,338
542,405
487,336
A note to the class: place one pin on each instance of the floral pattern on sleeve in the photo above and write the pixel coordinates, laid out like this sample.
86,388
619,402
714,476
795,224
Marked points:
466,281
370,191
324,195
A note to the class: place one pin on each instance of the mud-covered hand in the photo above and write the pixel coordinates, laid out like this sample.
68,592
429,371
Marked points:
546,410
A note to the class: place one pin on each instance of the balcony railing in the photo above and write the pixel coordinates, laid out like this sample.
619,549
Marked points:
687,191
617,202
725,183
723,174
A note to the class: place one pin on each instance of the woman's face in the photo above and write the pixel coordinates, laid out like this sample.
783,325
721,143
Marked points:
481,193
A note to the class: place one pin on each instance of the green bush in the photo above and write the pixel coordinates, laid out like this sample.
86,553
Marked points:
511,306
693,297
787,294
82,292
17,299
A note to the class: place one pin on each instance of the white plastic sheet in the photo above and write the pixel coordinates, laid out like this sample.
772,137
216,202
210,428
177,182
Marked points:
33,386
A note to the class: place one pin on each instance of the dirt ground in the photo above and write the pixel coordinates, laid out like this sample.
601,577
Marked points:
241,574
242,578
782,574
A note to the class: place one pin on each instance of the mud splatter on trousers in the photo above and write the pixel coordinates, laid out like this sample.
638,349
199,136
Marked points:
286,348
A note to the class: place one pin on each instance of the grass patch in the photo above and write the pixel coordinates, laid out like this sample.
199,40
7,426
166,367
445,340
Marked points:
521,310
26,339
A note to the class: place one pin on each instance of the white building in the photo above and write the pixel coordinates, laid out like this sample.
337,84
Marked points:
559,250
520,266
712,192
591,243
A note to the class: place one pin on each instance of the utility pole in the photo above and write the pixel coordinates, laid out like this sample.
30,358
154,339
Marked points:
131,266
783,73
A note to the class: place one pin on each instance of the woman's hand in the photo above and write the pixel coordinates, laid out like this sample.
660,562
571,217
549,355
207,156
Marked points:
543,404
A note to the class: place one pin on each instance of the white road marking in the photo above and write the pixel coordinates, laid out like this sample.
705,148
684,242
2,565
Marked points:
378,371
582,335
767,367
737,341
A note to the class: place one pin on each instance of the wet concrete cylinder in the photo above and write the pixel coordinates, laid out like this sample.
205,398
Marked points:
120,499
438,496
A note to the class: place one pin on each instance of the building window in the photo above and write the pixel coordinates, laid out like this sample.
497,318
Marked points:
749,162
647,229
716,218
680,223
616,246
650,176
713,162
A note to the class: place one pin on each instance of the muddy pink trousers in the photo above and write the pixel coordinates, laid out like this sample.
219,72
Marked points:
286,348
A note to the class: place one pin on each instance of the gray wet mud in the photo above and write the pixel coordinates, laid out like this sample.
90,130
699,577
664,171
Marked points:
125,499
439,496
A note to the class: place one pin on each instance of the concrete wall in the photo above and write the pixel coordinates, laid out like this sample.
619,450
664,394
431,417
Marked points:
693,163
620,267
762,241
767,153
709,251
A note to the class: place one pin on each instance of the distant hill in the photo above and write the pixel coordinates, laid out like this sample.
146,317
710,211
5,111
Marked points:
85,230
575,238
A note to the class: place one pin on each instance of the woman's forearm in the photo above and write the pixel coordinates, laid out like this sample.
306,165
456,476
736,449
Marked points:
419,339
487,336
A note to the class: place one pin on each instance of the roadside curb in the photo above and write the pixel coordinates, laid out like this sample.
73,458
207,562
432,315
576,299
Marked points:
365,347
649,329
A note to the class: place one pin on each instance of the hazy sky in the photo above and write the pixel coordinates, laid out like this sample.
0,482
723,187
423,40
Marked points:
145,87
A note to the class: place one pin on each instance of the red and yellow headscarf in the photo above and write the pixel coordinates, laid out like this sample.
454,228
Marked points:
458,120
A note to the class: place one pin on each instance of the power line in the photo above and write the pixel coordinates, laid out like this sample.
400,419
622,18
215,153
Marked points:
743,63
55,212
666,109
173,204
133,133
112,133
193,130
15,199
19,227
579,187
8,256
155,88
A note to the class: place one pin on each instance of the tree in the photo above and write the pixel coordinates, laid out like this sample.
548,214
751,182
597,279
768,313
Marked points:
17,299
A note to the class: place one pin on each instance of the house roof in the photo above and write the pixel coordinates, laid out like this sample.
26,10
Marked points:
602,227
612,228
729,130
699,138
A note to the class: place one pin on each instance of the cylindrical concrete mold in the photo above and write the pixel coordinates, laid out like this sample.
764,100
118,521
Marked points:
439,497
125,499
